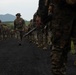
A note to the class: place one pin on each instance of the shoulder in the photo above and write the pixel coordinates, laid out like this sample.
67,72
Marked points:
22,19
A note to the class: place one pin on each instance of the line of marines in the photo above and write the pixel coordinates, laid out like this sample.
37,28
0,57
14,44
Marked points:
55,22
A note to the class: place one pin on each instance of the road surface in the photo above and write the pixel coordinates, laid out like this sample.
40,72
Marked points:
27,59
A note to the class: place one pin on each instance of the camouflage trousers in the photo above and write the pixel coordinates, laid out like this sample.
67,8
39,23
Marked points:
45,38
59,60
49,37
35,37
64,27
19,35
5,34
40,37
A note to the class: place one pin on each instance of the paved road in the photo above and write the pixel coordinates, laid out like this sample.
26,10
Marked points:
27,59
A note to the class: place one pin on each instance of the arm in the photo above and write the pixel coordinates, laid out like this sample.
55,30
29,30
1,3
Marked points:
43,10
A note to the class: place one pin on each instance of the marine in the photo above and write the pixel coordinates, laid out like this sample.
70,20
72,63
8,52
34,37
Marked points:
19,26
63,29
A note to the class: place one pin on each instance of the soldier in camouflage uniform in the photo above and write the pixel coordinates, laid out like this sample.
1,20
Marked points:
48,25
19,26
30,26
45,35
39,31
43,13
64,28
5,31
34,25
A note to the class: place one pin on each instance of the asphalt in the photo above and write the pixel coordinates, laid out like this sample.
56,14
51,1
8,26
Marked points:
28,59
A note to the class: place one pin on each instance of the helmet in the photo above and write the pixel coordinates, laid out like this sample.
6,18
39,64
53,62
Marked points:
18,14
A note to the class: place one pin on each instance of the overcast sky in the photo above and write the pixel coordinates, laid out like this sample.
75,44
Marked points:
26,7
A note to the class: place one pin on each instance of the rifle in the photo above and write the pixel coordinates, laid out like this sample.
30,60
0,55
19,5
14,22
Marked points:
49,17
29,32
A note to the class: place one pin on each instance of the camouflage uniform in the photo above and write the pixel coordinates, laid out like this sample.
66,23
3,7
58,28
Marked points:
5,31
12,33
19,27
31,35
43,13
45,37
39,31
34,25
48,24
64,28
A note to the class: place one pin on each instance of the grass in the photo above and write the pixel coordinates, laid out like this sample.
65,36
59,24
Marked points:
10,24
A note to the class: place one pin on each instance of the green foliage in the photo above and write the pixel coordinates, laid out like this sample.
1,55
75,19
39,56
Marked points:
27,22
10,24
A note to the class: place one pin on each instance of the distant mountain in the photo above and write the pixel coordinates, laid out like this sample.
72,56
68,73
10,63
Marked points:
7,17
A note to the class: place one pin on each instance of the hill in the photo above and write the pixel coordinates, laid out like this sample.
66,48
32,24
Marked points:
7,17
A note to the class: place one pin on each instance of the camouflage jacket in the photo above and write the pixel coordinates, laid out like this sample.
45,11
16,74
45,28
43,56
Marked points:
43,9
19,23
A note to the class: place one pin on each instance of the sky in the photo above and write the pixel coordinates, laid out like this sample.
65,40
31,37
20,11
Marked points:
26,7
